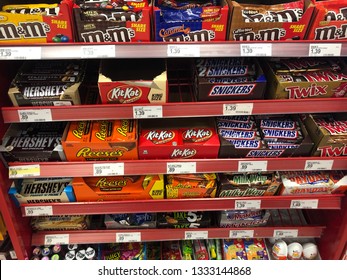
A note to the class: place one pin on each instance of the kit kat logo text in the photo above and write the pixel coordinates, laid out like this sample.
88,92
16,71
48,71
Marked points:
197,135
27,30
183,153
124,94
158,137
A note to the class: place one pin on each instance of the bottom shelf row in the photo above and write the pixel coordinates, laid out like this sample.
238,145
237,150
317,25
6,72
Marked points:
210,249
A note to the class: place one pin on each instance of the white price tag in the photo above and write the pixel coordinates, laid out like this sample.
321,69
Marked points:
128,237
196,234
180,167
35,115
247,204
62,103
108,169
24,171
256,49
38,210
325,49
252,166
13,255
100,51
241,234
20,53
183,51
237,109
53,239
285,233
304,204
147,112
319,164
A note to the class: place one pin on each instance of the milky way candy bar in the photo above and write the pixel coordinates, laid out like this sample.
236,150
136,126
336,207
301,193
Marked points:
227,71
278,124
236,125
293,136
247,144
239,134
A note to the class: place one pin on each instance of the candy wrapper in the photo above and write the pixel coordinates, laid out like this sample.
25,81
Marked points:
124,251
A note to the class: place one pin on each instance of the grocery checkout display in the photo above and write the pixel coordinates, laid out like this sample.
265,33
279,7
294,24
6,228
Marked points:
233,185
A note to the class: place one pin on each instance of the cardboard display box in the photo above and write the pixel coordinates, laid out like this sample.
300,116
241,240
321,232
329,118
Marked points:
129,23
178,30
310,84
133,81
328,132
41,190
229,150
313,182
28,23
329,21
134,220
257,25
234,87
100,140
118,188
33,142
178,139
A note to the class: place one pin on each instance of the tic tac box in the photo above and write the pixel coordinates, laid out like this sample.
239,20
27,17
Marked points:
188,24
288,20
329,21
100,140
313,182
41,190
118,188
248,184
219,79
178,139
252,150
24,22
33,142
133,81
308,84
328,132
130,22
191,219
191,185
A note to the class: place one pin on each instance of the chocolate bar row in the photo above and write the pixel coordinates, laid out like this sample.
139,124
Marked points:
172,21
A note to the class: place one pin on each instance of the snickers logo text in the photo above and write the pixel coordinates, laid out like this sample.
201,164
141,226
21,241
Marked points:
231,90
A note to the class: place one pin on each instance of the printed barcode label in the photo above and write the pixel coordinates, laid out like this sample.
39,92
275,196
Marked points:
304,204
247,204
181,167
147,112
128,237
20,53
24,171
194,235
285,233
325,49
237,109
183,51
319,164
256,49
108,169
241,234
252,166
53,239
35,115
38,211
100,51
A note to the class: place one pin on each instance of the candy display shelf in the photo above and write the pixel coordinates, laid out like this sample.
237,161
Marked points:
175,109
170,205
186,49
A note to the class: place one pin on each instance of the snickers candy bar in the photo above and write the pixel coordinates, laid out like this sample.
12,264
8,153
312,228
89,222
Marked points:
247,144
232,80
243,119
239,134
236,125
219,61
293,136
281,145
278,124
227,71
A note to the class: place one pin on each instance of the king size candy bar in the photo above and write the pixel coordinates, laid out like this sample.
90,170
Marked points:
278,124
238,134
219,61
226,71
247,144
303,65
313,76
236,125
291,135
243,119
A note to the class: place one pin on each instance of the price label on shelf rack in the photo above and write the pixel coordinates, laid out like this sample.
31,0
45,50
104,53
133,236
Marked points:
38,211
183,51
285,233
180,167
36,115
252,166
304,204
20,53
256,49
108,169
237,109
53,239
247,204
147,112
241,234
24,171
99,51
194,235
325,49
319,164
128,237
